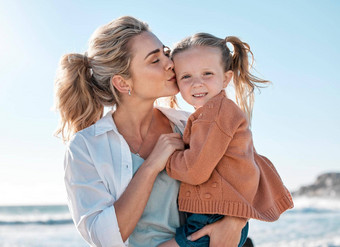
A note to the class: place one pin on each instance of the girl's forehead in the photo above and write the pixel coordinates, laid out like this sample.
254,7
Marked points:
197,58
198,51
205,49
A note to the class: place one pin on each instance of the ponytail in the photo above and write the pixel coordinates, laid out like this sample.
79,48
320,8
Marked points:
83,83
244,81
74,96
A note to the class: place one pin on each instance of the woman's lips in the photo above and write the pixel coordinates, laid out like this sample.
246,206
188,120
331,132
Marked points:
173,79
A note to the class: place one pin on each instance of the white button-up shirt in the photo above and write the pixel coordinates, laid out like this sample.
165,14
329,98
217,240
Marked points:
98,168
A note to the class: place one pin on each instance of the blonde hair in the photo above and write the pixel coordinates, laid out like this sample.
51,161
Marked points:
244,81
83,82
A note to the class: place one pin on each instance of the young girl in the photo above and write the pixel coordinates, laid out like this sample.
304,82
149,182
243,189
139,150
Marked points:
221,172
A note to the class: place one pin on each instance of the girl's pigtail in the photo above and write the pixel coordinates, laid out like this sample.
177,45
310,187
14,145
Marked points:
244,81
74,95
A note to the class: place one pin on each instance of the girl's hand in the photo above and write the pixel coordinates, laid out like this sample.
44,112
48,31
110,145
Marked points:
223,233
165,146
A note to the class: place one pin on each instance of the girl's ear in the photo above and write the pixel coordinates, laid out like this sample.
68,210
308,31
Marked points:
120,84
227,78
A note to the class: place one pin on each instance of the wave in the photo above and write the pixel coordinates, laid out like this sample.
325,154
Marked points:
39,219
310,204
39,215
38,222
328,241
313,222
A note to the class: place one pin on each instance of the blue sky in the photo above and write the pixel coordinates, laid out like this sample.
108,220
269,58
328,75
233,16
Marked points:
296,46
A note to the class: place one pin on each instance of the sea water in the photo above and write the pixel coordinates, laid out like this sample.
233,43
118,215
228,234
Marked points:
36,226
313,222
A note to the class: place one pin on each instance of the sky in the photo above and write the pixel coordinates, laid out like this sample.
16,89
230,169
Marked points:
296,46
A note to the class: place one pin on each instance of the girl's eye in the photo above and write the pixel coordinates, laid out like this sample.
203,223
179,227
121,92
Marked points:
155,61
185,77
208,73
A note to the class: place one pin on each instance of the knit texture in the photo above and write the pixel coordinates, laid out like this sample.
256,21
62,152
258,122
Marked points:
221,172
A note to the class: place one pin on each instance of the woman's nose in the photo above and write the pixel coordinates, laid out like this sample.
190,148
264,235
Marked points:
169,64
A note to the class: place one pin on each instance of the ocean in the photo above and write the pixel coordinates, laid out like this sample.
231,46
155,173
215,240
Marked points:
38,226
313,222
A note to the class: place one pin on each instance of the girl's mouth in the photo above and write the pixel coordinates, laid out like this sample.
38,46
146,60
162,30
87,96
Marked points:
198,95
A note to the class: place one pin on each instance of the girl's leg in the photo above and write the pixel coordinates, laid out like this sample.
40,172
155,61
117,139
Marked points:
170,243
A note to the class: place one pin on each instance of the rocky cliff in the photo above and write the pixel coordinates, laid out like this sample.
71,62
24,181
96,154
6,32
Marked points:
326,185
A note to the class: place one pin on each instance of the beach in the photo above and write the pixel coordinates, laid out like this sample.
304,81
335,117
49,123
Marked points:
313,222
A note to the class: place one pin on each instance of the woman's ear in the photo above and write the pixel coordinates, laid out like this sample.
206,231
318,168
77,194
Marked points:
120,84
227,78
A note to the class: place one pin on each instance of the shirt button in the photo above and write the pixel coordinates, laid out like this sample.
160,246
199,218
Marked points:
188,193
127,166
214,185
207,196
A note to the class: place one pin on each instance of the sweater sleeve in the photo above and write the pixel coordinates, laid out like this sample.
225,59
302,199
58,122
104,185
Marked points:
208,143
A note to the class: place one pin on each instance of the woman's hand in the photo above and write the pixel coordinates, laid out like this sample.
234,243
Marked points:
223,233
165,146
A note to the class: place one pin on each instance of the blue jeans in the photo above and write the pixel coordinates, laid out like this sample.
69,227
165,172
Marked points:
197,221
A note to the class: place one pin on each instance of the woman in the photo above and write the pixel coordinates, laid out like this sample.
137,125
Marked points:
118,192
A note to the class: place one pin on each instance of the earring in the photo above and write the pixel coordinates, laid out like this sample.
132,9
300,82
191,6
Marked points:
129,92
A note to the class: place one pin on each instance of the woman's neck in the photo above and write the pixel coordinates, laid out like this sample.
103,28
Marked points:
141,125
133,119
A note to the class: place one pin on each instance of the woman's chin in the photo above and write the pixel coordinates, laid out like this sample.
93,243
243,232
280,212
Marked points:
170,89
174,89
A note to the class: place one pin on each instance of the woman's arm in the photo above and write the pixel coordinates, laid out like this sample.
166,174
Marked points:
225,232
130,206
102,219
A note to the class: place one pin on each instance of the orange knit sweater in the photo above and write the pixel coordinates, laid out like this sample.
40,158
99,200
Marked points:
221,172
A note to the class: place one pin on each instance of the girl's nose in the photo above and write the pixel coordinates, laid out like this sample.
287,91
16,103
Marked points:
197,82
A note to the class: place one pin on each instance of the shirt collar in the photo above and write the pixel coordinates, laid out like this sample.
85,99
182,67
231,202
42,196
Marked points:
106,123
178,117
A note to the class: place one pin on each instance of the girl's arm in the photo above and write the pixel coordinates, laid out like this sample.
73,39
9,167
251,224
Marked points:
208,144
209,134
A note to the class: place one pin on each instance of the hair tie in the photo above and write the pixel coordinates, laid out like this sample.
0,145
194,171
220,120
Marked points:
96,84
226,39
86,61
231,51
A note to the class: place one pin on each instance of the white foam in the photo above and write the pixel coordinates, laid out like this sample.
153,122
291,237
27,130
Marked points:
327,241
34,218
314,222
303,202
